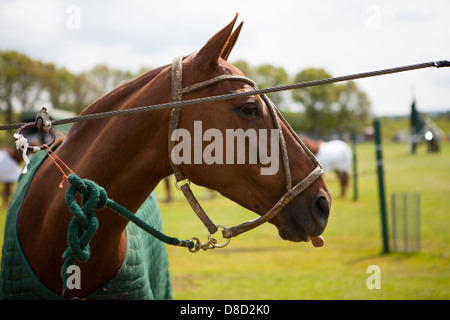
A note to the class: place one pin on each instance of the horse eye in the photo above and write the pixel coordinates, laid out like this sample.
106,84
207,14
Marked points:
249,109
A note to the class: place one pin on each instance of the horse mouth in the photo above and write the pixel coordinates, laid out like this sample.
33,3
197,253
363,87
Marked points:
303,227
298,234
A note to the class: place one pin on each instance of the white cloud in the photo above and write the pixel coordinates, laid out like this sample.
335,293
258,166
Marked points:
341,36
30,23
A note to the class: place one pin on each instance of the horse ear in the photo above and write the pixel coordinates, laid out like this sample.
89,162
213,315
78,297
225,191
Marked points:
231,42
211,52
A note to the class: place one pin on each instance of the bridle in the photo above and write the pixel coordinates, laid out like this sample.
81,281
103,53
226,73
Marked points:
182,183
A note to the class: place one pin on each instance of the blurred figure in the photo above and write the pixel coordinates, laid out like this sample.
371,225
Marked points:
9,171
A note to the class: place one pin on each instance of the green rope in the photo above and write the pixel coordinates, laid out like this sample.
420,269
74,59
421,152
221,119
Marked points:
84,223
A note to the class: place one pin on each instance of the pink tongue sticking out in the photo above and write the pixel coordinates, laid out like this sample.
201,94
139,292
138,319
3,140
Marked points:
318,241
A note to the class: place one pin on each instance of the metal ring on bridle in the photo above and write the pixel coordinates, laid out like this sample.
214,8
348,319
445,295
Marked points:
208,245
219,245
179,184
50,131
197,245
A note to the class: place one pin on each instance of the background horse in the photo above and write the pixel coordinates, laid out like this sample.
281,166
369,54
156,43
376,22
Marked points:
9,171
129,156
334,155
10,163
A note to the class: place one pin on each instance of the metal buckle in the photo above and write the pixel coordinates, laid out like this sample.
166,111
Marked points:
210,244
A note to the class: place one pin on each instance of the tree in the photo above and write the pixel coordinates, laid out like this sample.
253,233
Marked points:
84,92
59,83
317,101
105,79
8,76
331,108
22,80
92,84
354,108
265,76
245,68
31,82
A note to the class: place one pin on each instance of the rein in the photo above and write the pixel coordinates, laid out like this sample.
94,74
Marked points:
299,85
84,223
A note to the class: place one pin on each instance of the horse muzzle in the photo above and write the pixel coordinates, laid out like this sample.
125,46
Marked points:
300,223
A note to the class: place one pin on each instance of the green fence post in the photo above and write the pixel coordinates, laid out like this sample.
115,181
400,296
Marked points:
380,173
355,168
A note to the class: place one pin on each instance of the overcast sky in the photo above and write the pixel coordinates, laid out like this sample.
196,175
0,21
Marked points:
343,37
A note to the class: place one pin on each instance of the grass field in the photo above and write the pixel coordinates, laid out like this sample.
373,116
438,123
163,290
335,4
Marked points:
259,265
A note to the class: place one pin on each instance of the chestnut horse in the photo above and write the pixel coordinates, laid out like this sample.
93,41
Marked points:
334,155
129,156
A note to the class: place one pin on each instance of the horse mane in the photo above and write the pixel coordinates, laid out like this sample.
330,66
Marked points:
120,93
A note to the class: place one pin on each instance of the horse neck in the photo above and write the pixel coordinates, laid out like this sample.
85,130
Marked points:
126,155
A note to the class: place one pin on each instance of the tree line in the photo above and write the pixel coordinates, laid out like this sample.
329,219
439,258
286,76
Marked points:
26,84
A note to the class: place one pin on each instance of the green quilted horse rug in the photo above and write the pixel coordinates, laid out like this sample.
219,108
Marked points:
144,273
56,230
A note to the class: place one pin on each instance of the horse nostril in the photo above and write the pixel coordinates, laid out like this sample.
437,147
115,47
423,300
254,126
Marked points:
321,209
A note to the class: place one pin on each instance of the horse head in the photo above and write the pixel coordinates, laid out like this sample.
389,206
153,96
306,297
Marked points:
233,146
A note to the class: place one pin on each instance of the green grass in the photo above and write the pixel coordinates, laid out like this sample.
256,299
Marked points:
259,265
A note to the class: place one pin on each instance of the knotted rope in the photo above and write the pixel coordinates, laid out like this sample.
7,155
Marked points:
84,223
